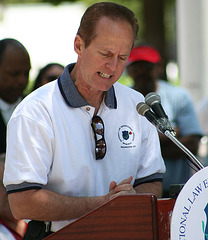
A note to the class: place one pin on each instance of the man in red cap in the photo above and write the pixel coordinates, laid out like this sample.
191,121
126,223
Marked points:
145,67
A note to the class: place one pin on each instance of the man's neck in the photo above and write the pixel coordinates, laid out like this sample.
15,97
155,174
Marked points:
92,96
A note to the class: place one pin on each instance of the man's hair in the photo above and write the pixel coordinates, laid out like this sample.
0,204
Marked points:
4,43
104,9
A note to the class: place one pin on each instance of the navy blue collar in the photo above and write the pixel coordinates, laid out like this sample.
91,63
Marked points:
72,96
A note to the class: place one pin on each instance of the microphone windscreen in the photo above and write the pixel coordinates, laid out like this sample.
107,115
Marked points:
152,98
142,108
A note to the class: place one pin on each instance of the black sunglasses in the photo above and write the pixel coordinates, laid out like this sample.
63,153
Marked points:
98,129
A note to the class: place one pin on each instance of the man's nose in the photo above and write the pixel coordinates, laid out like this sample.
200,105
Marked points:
112,64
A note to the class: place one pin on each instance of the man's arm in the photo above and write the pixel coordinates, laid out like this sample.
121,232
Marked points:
45,205
153,187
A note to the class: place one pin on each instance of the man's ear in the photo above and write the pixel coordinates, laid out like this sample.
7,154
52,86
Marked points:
78,45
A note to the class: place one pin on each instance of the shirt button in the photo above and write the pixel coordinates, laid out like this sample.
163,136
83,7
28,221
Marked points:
88,109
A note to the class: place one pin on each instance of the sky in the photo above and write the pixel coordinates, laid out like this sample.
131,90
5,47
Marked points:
45,30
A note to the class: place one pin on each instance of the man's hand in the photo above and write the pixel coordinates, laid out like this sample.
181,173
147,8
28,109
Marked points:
124,187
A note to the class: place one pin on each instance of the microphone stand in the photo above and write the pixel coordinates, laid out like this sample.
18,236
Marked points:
164,126
194,160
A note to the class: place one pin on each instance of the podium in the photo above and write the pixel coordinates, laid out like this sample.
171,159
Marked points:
139,216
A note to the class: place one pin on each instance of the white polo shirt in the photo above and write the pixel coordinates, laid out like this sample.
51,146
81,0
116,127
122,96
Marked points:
51,143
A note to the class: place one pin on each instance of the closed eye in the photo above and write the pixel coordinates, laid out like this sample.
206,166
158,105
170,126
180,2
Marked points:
123,58
105,54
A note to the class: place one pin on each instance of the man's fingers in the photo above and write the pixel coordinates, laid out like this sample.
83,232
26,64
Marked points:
112,185
126,181
125,185
120,193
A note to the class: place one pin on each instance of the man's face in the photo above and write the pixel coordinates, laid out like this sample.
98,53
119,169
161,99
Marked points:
14,73
103,61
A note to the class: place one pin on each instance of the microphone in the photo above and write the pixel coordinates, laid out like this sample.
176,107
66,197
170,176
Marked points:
144,110
160,123
164,126
153,100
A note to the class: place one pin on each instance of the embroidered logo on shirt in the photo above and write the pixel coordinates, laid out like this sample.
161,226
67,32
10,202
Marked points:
126,135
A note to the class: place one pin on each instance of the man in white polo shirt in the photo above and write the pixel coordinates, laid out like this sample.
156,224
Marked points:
79,142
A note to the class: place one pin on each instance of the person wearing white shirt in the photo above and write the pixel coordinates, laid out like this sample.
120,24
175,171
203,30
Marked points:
78,142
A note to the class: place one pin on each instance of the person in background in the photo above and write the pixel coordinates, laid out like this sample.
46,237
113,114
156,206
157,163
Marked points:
202,113
78,142
14,74
47,74
10,228
145,66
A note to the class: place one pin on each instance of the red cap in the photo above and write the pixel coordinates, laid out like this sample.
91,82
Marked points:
144,53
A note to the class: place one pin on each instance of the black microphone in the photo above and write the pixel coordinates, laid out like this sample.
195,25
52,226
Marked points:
160,123
153,100
144,110
163,125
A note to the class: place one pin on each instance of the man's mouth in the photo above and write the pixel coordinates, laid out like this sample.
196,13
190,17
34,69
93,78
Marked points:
104,75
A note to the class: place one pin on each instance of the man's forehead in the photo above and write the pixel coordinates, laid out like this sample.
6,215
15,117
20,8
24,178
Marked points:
107,25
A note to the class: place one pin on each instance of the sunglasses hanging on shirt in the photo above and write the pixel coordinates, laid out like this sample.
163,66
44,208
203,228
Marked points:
100,144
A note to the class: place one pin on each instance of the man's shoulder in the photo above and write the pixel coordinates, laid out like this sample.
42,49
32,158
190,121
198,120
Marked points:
42,98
